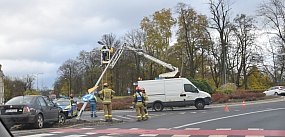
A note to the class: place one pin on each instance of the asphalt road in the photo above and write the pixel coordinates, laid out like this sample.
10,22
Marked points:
264,118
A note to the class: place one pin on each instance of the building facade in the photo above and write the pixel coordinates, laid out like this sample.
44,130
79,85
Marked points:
1,86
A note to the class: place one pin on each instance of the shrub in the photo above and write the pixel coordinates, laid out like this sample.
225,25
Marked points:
227,88
202,85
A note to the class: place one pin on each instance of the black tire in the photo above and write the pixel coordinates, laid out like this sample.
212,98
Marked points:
61,119
275,94
39,123
157,106
200,104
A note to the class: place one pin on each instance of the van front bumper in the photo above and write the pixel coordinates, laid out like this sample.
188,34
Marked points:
208,101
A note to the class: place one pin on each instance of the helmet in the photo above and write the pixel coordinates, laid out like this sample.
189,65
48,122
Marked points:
105,84
137,88
142,89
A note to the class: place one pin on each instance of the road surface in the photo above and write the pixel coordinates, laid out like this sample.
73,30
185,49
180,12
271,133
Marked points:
264,118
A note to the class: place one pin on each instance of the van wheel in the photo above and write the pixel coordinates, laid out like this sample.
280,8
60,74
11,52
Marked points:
157,106
200,104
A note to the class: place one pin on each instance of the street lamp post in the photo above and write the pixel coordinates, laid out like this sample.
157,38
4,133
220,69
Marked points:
38,80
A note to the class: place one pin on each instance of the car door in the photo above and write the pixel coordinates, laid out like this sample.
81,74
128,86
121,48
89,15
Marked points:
45,109
191,93
53,110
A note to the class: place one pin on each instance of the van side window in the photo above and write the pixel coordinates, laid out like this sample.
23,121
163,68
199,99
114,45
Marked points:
190,88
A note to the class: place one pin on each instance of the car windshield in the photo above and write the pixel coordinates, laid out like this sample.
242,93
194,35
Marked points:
20,100
63,103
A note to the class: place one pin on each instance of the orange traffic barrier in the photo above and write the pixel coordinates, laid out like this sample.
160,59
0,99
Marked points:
226,108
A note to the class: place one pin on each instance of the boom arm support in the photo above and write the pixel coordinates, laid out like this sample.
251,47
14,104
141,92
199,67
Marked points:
174,70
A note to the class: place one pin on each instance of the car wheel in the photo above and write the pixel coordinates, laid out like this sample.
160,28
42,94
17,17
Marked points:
61,118
275,94
39,121
157,106
200,104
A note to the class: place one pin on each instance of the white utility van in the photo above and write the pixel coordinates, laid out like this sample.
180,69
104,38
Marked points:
175,92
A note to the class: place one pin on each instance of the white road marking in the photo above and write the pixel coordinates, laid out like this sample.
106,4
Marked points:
163,129
255,129
192,129
215,119
224,129
148,135
90,133
182,113
254,136
180,136
113,134
193,112
115,118
39,135
112,128
125,117
132,116
134,128
75,136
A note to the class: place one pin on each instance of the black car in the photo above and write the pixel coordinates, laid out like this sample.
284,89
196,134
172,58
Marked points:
30,110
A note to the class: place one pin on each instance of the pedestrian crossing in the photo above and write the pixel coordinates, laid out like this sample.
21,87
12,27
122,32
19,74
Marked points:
160,132
123,117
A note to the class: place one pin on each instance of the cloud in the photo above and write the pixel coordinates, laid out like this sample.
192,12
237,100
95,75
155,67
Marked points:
38,36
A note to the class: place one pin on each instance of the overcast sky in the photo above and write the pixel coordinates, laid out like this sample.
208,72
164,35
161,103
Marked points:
37,36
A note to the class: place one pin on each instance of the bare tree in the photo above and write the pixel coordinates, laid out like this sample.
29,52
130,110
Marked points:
221,23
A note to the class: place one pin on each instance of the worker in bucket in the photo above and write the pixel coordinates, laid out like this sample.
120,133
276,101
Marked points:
92,102
145,97
105,53
138,104
106,96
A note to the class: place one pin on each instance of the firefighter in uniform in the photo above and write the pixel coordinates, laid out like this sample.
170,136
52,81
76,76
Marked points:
145,102
106,95
71,101
138,104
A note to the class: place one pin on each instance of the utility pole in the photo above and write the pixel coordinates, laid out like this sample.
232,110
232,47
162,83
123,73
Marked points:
38,80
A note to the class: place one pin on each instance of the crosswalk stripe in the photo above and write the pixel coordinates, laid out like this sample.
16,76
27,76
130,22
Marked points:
125,117
112,128
224,129
149,135
39,135
153,115
90,133
255,129
180,136
192,129
163,129
131,116
254,136
134,129
115,118
75,136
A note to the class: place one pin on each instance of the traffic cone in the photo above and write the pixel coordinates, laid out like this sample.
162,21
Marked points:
227,108
243,105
